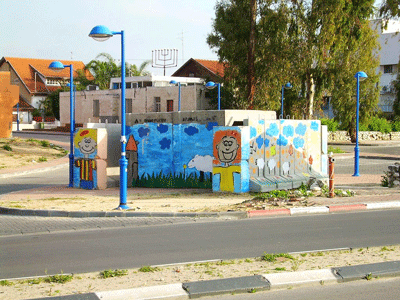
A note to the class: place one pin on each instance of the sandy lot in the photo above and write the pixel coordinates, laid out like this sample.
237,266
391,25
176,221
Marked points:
17,152
162,275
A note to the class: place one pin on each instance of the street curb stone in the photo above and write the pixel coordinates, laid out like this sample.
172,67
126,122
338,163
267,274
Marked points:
245,284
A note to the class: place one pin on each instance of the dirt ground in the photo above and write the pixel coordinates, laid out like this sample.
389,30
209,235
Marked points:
168,274
17,152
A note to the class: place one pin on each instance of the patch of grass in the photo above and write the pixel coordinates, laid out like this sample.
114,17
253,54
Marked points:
368,276
44,143
147,269
384,248
113,273
248,260
42,159
280,269
6,283
7,147
58,278
272,257
34,281
224,263
335,150
303,254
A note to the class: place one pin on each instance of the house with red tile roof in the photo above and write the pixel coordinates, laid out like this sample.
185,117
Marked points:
211,70
35,79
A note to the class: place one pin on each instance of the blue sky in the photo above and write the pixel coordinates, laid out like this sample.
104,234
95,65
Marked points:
58,29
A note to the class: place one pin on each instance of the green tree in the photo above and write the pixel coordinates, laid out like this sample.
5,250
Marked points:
303,42
389,9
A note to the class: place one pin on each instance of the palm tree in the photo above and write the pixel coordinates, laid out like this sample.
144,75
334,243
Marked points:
132,70
103,71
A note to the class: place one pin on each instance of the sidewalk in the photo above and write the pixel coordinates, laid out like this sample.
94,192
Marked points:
368,194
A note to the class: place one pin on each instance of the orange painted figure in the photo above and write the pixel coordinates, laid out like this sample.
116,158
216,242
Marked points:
85,139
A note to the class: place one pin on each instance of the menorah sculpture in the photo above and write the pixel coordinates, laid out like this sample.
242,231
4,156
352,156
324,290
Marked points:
164,58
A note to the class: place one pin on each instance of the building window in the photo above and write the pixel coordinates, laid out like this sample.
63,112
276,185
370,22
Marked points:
128,105
170,105
96,108
157,104
52,82
115,86
387,69
128,85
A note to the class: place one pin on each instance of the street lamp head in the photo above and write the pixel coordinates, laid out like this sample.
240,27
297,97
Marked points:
210,85
288,85
100,33
56,66
173,82
361,75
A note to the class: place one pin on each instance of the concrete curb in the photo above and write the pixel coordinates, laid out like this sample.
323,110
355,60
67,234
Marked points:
119,213
223,215
322,209
191,290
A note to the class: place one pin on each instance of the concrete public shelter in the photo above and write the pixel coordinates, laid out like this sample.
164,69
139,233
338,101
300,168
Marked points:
227,150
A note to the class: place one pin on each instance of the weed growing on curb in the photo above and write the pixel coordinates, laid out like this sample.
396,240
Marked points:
272,257
113,273
146,269
58,278
7,147
6,283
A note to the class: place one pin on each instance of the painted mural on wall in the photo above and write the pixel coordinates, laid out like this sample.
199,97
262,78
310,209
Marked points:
85,152
227,153
285,147
167,155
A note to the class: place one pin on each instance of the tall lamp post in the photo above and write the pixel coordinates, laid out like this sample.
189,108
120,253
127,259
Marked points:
179,92
58,66
210,85
360,76
102,33
286,86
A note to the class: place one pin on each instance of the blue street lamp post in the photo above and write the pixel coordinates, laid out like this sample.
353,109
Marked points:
286,86
102,33
179,93
211,85
360,76
58,66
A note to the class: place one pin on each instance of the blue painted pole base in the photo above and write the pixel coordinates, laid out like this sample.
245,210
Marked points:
123,162
356,161
71,170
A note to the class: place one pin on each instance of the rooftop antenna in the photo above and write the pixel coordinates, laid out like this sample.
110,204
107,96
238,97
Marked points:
182,39
164,58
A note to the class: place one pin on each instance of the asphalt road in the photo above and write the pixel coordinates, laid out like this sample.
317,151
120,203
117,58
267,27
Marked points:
388,289
96,250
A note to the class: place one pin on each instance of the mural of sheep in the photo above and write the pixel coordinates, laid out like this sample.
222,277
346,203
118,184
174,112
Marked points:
201,163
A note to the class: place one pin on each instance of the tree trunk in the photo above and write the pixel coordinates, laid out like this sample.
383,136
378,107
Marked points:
310,96
250,56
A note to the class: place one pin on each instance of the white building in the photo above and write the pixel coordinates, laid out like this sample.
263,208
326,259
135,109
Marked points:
143,94
389,40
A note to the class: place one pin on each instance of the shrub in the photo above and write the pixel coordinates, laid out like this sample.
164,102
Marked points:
331,123
376,124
